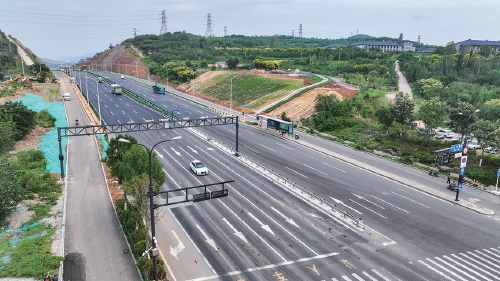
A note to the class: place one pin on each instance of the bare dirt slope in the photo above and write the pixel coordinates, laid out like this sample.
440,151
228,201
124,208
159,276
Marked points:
304,105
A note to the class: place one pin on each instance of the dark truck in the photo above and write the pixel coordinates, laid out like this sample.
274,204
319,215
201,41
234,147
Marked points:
158,89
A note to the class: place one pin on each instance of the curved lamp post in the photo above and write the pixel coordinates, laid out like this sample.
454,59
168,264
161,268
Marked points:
151,193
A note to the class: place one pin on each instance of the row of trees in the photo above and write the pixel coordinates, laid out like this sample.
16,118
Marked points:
129,162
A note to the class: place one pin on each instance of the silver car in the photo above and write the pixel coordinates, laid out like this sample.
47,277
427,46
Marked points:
198,168
444,134
473,145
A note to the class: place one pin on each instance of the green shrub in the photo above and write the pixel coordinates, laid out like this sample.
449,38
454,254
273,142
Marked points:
44,119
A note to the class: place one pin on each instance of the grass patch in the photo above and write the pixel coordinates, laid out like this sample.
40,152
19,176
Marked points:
251,89
28,252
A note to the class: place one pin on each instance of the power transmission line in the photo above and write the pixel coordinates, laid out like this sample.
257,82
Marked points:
163,29
209,32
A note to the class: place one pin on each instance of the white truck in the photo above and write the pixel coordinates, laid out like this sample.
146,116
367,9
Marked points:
72,79
65,96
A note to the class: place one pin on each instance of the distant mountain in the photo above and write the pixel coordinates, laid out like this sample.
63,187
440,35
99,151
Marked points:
56,64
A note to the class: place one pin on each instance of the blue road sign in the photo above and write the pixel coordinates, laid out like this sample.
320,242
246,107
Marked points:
498,173
456,147
459,186
461,171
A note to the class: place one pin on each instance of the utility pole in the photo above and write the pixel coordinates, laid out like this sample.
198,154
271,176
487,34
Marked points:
419,39
225,30
300,30
293,32
163,29
209,32
135,33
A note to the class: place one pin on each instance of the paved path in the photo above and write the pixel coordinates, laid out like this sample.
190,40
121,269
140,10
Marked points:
402,83
95,246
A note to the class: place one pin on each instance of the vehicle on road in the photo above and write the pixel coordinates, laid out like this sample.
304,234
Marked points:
490,150
473,145
442,133
157,88
116,89
198,168
99,79
426,131
66,96
122,77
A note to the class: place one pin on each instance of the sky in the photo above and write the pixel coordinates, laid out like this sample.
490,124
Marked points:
63,29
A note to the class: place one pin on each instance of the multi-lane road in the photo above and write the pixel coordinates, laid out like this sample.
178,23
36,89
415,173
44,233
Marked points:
266,231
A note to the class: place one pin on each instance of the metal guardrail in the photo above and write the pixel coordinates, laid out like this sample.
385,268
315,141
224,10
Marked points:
285,181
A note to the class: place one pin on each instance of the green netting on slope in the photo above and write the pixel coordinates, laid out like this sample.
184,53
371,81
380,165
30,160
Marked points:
48,143
55,74
105,145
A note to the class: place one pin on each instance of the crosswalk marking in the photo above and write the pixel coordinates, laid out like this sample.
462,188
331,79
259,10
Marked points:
369,276
457,269
471,265
357,277
380,275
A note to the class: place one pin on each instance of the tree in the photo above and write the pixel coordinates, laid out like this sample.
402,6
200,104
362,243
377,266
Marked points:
484,130
232,63
403,110
284,117
7,132
400,37
116,149
135,162
490,110
385,116
485,51
428,88
11,189
433,112
459,116
23,117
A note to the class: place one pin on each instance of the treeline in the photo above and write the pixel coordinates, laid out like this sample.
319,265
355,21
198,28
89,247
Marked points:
181,55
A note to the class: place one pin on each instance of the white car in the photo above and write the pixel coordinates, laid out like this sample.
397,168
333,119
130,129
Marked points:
473,145
444,134
198,168
490,150
122,77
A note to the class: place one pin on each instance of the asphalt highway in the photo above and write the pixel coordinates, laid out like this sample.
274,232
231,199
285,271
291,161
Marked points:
412,229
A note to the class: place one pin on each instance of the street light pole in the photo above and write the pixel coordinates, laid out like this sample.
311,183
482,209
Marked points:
99,103
231,96
464,146
151,193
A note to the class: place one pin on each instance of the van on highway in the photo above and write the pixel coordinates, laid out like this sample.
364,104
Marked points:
65,96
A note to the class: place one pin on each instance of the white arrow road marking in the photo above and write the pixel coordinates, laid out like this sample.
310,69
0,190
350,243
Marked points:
176,152
175,251
290,221
210,242
210,149
236,232
193,150
264,226
267,147
363,198
342,203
